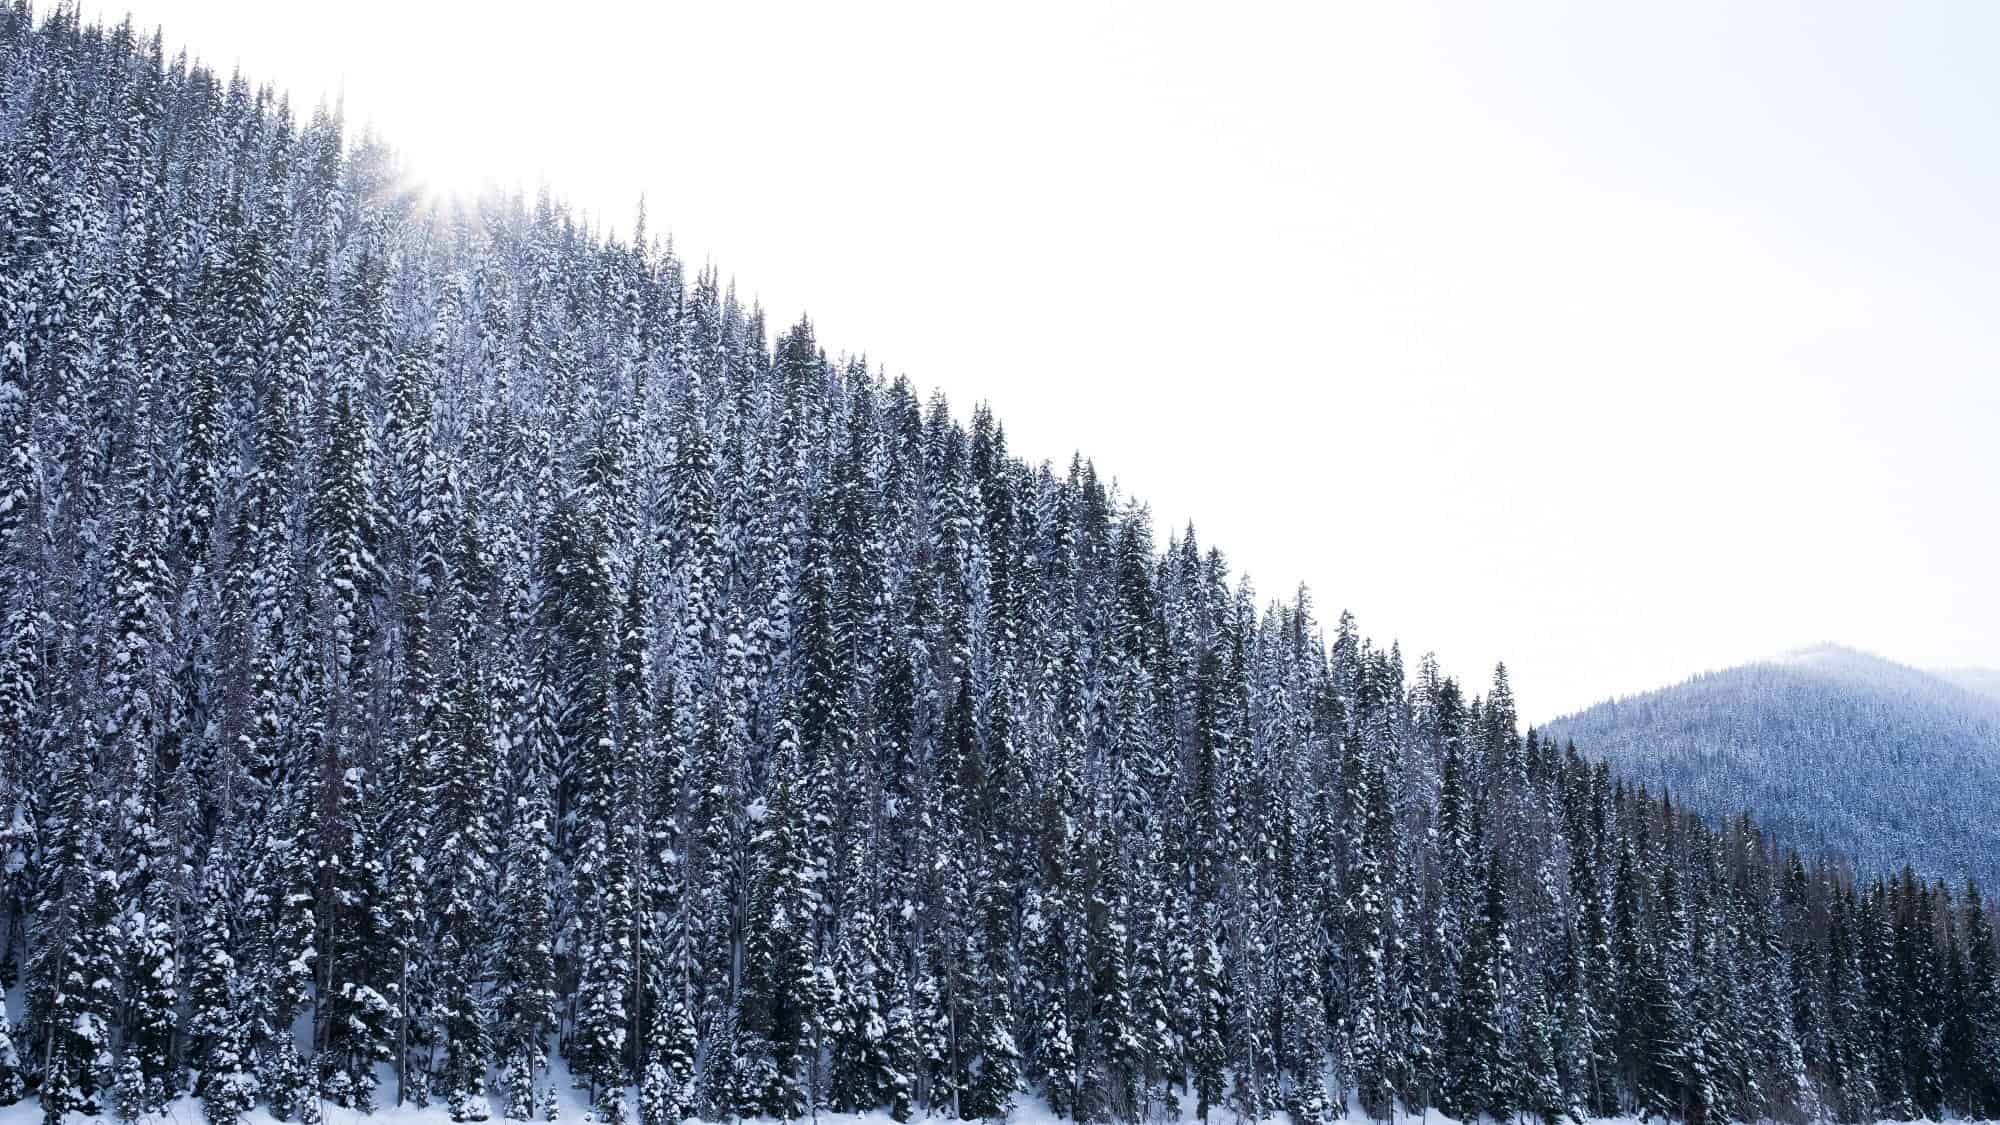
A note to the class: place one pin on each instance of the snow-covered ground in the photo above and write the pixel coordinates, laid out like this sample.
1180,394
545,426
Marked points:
573,1109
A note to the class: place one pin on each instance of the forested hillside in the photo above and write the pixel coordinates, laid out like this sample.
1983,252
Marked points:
442,638
1835,749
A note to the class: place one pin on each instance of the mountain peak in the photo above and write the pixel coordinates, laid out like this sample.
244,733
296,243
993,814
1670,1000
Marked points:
1836,747
1826,650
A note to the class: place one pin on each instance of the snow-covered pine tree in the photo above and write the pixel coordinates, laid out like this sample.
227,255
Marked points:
1977,1041
73,982
526,984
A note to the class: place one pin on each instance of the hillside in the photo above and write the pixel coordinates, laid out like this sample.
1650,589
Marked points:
1835,749
450,654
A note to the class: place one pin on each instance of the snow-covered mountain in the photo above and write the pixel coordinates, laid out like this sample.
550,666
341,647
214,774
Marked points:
1879,761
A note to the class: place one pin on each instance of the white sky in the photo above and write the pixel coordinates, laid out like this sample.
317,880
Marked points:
1618,341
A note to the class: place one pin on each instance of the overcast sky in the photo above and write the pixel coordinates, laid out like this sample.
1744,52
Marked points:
1616,341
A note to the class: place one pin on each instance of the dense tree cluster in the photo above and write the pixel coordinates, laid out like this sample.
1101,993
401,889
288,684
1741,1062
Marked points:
450,652
1838,751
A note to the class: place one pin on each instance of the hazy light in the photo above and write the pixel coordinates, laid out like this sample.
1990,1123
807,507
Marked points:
1615,341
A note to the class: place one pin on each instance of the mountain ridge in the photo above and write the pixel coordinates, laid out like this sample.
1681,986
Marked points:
1836,748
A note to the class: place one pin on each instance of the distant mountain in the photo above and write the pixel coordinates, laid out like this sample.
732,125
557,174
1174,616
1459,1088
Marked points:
1833,748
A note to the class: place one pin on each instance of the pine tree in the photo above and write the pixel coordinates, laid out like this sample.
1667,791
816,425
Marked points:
153,1009
1482,1072
990,1092
1919,990
526,987
863,1071
785,1001
1209,1051
74,980
214,1016
603,878
1977,1039
900,1046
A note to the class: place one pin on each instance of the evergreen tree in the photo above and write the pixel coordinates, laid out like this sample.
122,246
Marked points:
526,985
1976,1033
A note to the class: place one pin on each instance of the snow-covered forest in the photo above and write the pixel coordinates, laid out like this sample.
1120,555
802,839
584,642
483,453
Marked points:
1835,749
447,648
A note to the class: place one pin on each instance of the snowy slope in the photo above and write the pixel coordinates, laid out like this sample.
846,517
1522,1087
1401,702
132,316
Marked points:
1879,761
